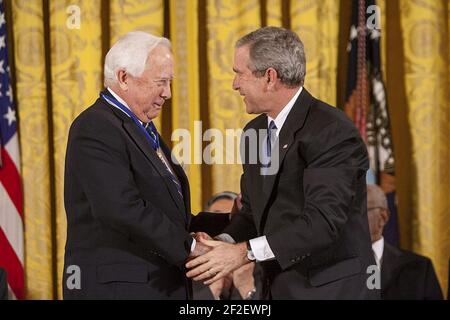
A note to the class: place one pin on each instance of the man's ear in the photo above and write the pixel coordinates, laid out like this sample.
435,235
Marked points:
122,78
384,213
271,77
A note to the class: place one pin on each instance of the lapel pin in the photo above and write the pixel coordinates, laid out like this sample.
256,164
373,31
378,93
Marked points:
285,146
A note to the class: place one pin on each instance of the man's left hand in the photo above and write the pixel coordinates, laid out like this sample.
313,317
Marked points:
223,259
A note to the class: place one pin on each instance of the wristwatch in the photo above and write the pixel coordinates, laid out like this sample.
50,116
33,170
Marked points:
250,295
250,255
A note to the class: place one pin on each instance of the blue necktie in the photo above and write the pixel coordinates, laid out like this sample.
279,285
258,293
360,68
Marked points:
151,129
267,148
271,137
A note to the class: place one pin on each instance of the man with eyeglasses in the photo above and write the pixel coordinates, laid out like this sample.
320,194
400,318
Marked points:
404,274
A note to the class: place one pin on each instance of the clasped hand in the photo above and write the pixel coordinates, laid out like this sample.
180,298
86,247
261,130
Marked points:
213,259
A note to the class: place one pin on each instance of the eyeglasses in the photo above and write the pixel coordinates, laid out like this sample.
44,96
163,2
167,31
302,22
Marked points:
373,208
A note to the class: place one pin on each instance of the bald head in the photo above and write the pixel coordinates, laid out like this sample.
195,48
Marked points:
377,211
376,197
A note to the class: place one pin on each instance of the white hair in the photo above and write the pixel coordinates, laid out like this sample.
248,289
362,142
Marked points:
130,53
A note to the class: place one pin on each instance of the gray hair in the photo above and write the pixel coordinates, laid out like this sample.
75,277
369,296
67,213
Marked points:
130,53
278,48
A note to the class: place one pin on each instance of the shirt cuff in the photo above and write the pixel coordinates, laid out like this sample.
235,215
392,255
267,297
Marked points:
194,243
225,237
261,249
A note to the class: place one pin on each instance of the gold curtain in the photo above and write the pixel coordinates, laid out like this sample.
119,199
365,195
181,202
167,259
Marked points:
426,46
226,22
58,74
274,13
75,72
186,94
317,24
31,92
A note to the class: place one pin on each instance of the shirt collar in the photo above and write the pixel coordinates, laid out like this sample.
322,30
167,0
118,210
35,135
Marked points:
281,117
115,95
378,248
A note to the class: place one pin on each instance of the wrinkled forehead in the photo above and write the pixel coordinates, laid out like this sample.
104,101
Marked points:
241,58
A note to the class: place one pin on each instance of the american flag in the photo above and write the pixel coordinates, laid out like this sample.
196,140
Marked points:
366,100
366,104
11,204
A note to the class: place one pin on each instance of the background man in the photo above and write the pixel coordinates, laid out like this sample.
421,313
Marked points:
404,274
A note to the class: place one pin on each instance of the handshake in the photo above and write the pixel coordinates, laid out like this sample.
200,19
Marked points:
220,264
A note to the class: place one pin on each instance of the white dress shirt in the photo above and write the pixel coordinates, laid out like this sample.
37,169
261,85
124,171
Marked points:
115,95
281,117
378,247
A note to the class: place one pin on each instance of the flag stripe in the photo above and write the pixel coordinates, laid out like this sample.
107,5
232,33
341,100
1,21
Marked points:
11,223
11,198
10,179
11,295
13,149
12,265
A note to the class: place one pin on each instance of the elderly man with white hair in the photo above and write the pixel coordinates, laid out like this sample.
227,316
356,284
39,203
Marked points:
127,201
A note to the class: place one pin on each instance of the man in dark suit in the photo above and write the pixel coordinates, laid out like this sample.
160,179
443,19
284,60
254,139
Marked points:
404,274
126,199
304,202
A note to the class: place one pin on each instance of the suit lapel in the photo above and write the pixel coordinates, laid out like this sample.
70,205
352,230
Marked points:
139,139
178,170
294,122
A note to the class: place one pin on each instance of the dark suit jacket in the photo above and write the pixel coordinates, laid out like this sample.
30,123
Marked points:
3,285
313,211
406,275
126,223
